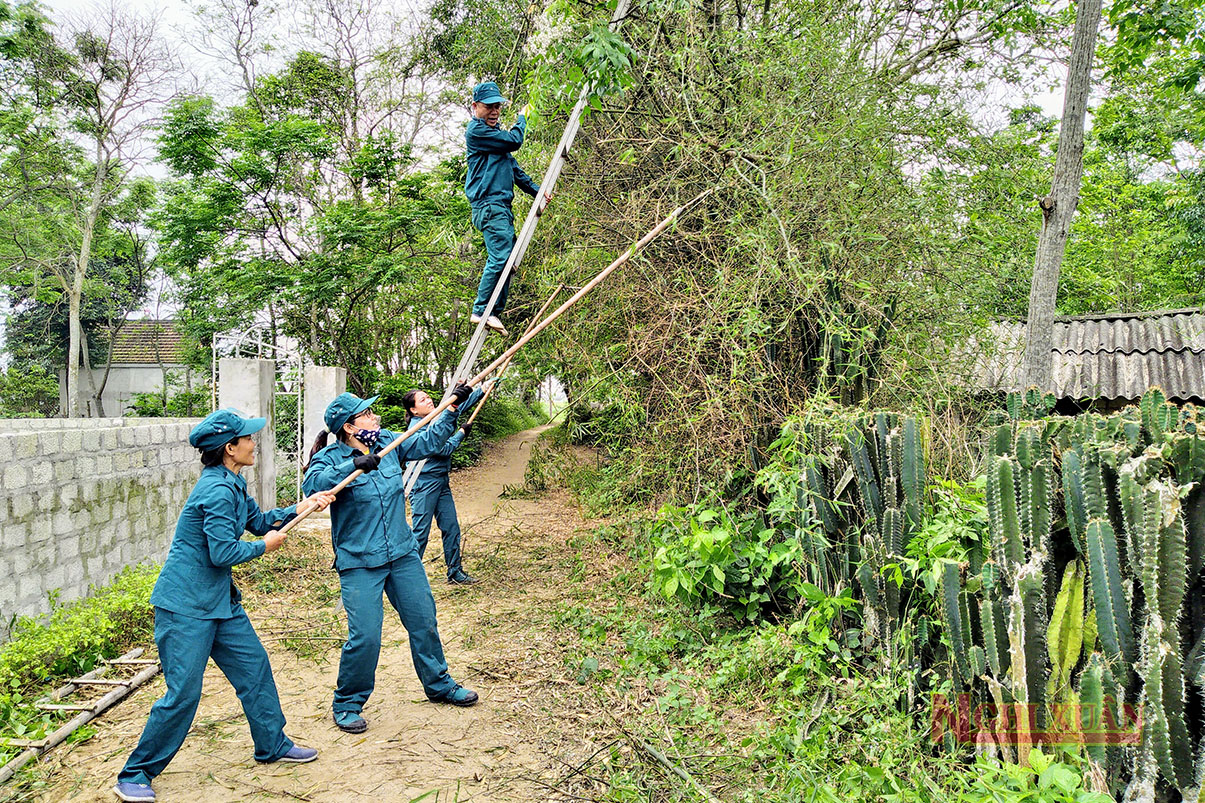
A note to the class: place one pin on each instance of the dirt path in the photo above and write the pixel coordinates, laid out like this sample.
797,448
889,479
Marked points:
499,638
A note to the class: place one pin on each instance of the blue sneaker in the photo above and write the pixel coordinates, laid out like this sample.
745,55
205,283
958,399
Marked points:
459,696
134,792
350,722
296,755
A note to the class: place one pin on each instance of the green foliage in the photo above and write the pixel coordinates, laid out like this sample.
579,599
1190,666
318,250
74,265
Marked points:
708,555
28,392
174,402
1044,780
72,638
68,642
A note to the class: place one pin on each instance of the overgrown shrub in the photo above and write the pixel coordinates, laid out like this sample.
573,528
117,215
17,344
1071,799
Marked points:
28,392
73,638
192,402
70,641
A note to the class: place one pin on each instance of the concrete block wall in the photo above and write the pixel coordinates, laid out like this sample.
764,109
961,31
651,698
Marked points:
80,499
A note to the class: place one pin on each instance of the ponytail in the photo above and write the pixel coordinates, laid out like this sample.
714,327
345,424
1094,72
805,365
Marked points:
319,445
320,442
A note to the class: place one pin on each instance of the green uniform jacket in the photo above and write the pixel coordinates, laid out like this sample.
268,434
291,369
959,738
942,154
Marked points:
439,464
368,517
492,169
195,580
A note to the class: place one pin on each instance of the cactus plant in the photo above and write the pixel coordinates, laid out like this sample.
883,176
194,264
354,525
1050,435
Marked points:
1112,610
1065,636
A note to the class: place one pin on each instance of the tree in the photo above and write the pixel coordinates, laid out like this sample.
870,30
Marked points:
84,96
1058,207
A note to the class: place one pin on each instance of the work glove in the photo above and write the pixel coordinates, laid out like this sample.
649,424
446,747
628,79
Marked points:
460,393
366,462
466,428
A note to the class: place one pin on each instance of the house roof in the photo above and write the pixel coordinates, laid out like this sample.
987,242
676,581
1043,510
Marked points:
149,342
1114,356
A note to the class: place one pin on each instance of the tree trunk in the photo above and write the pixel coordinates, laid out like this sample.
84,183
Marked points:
74,294
87,231
1058,208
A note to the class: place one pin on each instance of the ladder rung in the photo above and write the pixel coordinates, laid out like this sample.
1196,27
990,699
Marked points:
55,707
99,682
13,742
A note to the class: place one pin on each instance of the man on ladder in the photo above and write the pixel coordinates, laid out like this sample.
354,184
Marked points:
493,174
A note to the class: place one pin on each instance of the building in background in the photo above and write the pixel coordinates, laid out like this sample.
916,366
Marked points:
1103,361
147,355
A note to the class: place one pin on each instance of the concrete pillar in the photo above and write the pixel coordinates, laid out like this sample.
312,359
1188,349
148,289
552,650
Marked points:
248,386
322,384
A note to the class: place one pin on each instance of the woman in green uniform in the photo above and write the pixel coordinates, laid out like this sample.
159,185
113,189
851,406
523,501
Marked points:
198,614
431,492
375,552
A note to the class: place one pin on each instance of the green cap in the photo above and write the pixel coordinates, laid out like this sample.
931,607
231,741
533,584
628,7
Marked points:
221,427
487,92
344,408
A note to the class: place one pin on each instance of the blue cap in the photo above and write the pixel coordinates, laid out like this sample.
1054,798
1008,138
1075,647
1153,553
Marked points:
487,92
344,408
221,427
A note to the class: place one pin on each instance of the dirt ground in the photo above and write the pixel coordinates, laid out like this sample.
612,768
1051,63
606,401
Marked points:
526,732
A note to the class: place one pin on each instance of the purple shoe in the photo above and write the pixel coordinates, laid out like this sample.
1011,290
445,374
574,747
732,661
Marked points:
134,792
296,755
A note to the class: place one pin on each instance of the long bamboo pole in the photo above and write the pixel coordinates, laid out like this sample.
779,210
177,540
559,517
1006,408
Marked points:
502,370
523,341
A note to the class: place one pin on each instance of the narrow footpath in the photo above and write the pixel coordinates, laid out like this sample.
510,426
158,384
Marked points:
500,637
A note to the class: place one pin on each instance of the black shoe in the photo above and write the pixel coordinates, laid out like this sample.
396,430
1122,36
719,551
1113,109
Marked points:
462,579
460,696
350,722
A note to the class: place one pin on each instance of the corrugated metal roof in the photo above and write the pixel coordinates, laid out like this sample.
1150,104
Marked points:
148,342
1115,356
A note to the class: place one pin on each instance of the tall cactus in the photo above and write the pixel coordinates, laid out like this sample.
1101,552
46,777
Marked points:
1065,637
1168,732
1027,640
1112,609
1092,702
957,627
1073,489
1007,548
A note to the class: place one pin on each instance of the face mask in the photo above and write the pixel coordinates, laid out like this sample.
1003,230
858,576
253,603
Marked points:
368,437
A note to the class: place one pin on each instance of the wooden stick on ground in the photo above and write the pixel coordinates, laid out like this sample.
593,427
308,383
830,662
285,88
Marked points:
98,708
523,341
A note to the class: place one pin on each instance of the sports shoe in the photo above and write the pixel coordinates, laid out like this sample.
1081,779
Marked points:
495,323
350,721
460,696
135,792
474,319
462,578
296,755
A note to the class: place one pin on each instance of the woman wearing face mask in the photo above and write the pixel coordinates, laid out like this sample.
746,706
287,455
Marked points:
376,553
431,493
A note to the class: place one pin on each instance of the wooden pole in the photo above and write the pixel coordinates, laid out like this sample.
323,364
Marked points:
523,341
502,370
